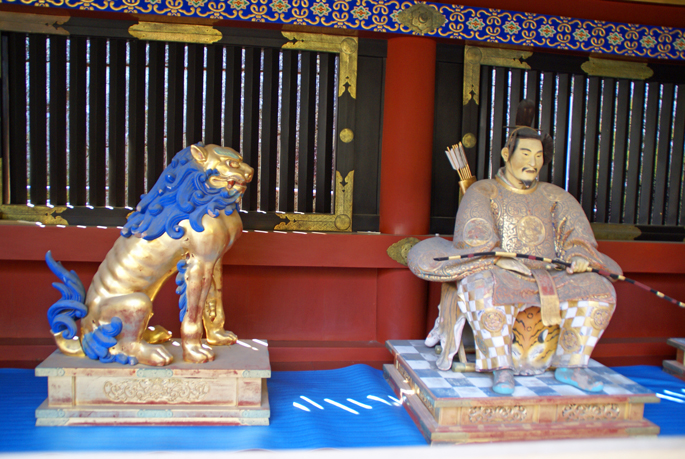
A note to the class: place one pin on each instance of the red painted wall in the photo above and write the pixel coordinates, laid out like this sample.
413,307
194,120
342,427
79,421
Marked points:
315,296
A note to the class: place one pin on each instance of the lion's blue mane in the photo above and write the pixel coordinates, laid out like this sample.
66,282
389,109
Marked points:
181,193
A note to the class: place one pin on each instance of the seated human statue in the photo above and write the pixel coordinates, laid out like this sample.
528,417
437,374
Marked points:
514,212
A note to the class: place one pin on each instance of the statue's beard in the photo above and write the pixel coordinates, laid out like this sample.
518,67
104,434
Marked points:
527,183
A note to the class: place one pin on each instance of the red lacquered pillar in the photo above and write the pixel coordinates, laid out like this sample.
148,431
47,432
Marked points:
406,179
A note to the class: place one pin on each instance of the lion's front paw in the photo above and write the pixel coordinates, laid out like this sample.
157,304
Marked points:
197,353
221,338
150,354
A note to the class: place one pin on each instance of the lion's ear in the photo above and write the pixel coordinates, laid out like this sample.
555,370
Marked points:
198,153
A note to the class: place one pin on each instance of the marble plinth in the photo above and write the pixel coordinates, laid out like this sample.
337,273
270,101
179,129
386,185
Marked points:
231,390
451,407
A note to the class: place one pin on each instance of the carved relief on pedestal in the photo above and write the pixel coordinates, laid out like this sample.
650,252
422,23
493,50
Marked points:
609,412
169,390
497,414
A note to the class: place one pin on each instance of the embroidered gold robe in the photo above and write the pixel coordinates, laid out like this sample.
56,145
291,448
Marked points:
544,221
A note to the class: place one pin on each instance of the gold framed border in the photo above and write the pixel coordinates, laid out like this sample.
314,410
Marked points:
33,23
617,69
34,214
475,56
184,33
347,47
341,220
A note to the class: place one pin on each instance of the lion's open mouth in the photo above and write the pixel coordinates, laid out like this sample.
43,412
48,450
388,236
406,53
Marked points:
237,185
234,183
229,184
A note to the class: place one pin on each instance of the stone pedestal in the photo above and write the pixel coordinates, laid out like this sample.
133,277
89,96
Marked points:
451,407
676,367
231,390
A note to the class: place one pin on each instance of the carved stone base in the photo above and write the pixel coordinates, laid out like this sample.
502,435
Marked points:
676,367
451,407
231,390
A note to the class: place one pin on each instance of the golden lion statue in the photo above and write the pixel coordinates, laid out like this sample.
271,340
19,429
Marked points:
185,224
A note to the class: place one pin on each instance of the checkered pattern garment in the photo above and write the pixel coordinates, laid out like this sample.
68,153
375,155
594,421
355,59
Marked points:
583,323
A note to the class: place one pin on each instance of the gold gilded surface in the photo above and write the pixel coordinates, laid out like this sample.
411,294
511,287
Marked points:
569,340
501,57
497,414
428,403
531,230
400,249
156,335
134,270
605,412
475,56
601,318
617,69
493,320
146,390
346,47
516,190
40,214
464,185
472,58
615,231
186,33
70,347
347,135
421,18
33,23
341,220
469,140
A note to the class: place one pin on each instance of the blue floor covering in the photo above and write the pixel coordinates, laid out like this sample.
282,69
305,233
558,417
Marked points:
379,423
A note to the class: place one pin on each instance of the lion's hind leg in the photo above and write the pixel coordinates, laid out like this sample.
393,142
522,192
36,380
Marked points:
213,316
214,327
134,310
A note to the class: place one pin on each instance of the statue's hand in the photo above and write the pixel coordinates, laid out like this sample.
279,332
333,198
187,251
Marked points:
513,265
578,265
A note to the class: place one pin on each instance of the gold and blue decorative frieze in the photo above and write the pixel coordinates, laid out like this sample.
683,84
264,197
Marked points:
461,22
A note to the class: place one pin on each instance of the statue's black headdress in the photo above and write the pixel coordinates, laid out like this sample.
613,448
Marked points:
525,115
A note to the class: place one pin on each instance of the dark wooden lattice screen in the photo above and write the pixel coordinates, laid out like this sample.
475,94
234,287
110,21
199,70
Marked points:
618,143
130,105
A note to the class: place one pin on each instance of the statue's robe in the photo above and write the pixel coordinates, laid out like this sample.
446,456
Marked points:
543,221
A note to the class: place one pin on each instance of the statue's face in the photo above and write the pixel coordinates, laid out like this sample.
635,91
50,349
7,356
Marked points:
523,165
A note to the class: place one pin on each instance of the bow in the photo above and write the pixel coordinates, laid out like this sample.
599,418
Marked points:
566,265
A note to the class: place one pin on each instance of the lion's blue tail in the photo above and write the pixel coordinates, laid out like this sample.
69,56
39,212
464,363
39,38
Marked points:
63,314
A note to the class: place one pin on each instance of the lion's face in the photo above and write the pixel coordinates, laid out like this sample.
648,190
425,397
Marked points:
234,174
